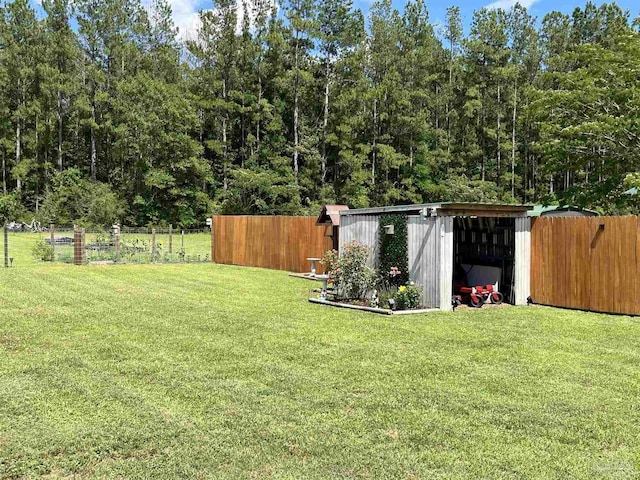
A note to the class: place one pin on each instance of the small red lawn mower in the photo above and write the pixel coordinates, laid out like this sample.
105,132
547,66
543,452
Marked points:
474,296
477,296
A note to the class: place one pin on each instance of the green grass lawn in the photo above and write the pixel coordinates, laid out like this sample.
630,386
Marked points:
212,371
196,247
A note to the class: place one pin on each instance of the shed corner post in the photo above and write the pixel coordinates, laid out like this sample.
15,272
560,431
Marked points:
522,284
213,239
446,262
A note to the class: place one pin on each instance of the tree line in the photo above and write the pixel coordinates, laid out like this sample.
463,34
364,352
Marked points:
107,114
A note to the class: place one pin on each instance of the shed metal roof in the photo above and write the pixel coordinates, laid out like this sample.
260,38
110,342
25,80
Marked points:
448,208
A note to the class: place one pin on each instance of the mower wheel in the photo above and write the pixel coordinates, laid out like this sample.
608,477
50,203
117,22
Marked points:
478,302
496,298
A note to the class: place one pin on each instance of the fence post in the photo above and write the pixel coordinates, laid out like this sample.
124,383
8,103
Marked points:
79,255
153,245
52,236
170,238
117,242
6,246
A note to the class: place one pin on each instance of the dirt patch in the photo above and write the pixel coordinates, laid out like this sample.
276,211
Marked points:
10,343
392,434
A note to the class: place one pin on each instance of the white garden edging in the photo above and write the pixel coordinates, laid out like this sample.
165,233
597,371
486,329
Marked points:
380,311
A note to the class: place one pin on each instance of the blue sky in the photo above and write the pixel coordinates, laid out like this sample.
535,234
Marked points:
186,11
537,8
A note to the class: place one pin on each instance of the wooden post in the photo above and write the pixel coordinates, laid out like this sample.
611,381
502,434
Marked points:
79,255
170,238
117,242
6,246
52,236
153,244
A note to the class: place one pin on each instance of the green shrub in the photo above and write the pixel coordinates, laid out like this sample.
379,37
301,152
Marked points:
385,292
330,261
10,208
42,251
408,297
351,277
76,200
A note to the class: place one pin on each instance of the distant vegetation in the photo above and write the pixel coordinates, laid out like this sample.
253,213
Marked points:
107,115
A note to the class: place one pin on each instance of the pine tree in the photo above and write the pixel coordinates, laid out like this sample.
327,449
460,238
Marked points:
487,53
338,31
302,20
20,38
453,34
62,56
523,66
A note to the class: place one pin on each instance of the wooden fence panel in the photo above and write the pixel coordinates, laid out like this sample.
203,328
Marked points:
589,263
276,242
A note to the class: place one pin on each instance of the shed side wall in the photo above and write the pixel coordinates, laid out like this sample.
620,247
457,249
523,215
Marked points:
364,229
446,262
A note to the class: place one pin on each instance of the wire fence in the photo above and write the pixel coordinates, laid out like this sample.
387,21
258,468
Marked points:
131,245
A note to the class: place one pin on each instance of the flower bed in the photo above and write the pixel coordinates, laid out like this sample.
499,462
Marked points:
356,285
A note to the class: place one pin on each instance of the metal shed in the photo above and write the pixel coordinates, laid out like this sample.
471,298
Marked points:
443,236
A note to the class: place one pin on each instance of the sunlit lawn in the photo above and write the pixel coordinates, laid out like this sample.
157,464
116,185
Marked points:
206,371
196,246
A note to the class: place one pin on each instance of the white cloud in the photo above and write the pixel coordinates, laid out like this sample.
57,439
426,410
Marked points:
186,15
507,4
186,18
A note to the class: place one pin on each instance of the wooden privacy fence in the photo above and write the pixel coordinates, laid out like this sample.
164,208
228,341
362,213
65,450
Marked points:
280,243
589,263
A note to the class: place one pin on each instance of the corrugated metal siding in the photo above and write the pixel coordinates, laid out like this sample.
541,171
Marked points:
424,257
446,262
363,228
522,260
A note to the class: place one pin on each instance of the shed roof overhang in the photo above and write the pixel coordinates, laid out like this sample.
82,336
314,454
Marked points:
452,209
330,215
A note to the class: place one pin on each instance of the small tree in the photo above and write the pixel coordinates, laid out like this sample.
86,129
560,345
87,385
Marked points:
74,199
9,208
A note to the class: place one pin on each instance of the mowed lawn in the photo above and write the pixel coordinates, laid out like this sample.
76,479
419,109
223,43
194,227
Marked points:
213,371
197,246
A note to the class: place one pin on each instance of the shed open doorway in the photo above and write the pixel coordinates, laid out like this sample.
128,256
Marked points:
484,253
